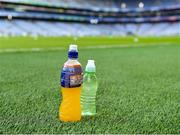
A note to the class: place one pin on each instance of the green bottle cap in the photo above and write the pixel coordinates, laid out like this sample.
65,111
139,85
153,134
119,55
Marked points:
90,67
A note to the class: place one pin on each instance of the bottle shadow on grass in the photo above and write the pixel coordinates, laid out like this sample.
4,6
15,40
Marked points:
88,118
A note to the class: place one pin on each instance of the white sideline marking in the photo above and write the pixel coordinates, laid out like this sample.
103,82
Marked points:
29,50
10,50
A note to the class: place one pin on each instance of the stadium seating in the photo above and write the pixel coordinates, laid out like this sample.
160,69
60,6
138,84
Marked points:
25,19
42,28
106,5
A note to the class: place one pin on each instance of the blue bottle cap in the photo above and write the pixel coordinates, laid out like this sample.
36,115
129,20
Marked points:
73,51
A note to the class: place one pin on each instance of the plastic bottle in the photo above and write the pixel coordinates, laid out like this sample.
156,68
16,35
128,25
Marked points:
88,95
71,81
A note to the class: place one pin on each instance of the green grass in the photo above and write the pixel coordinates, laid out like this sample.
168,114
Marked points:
63,42
139,90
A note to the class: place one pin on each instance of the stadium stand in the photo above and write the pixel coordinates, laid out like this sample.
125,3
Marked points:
89,18
106,5
35,28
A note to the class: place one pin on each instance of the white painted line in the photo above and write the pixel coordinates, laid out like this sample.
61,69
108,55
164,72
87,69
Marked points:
10,50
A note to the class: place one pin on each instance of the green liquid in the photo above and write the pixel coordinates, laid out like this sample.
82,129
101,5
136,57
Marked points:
88,94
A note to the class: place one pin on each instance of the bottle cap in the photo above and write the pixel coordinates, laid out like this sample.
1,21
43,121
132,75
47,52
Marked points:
73,51
73,47
90,67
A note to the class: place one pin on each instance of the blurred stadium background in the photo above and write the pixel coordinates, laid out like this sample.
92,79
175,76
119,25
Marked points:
89,18
136,46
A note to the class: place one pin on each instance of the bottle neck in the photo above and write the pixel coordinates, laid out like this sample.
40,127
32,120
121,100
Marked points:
90,72
73,59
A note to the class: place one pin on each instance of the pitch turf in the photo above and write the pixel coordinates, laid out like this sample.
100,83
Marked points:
139,90
63,42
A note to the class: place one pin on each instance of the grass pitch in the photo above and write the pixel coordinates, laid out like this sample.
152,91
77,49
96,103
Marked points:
138,90
48,43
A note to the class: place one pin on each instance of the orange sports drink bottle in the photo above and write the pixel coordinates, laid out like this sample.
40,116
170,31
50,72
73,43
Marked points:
71,81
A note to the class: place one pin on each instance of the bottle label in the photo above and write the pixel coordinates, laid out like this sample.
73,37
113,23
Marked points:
71,76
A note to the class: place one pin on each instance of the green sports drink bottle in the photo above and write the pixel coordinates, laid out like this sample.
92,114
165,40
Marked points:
88,94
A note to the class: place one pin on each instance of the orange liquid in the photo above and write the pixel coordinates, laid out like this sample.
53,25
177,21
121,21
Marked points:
70,108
